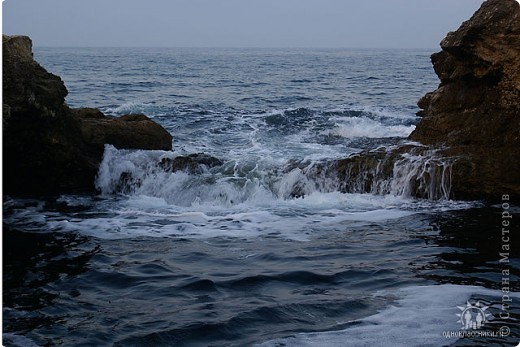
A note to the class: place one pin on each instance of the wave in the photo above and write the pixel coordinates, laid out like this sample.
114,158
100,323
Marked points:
350,122
255,182
132,107
420,316
365,127
235,199
301,132
243,199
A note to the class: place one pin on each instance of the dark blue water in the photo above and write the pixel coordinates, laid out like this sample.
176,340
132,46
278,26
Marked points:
230,256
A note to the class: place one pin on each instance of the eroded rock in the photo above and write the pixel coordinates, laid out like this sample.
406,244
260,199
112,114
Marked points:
475,111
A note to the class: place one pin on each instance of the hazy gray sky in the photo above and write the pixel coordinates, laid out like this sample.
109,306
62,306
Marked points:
237,23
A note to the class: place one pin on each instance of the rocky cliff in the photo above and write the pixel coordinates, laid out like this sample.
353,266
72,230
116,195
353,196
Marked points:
469,133
476,109
49,148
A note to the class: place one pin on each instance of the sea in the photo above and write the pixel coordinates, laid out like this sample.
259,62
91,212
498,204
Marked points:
230,255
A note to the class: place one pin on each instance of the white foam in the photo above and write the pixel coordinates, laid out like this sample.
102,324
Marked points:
381,112
300,219
347,121
419,317
249,199
354,127
236,200
129,108
118,162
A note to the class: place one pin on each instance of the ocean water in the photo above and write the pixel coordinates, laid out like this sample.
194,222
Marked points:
263,249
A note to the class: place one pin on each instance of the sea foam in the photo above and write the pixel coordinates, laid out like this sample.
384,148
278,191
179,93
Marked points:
420,316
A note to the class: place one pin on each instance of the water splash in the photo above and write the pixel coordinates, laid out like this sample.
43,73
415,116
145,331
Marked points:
418,172
407,171
423,175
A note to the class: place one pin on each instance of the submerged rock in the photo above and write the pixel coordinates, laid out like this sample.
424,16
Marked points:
48,147
193,163
475,111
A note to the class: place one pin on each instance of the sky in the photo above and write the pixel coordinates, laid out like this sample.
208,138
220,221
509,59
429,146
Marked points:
236,23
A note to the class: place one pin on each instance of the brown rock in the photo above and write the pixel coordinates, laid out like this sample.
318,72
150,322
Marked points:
28,87
135,131
48,147
476,109
17,47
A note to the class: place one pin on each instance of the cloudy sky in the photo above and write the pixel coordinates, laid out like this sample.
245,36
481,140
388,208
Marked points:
237,23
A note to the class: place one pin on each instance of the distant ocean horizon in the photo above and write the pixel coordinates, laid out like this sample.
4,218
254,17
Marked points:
432,50
263,249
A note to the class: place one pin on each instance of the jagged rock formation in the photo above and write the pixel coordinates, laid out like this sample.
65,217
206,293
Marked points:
49,148
470,126
476,109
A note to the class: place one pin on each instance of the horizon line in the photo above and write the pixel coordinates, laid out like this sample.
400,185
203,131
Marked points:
239,47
